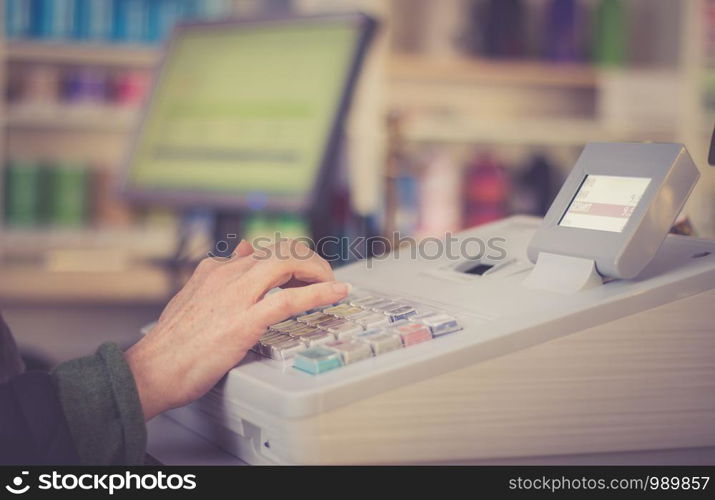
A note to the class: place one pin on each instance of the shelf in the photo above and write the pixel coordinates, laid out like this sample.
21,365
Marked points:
555,132
71,118
464,70
90,266
85,265
142,284
81,53
147,242
547,132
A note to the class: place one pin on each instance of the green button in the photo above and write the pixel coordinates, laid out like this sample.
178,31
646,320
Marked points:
317,360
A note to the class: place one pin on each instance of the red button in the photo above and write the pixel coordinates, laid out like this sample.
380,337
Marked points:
413,333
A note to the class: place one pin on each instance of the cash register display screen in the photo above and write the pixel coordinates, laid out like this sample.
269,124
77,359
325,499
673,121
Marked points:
605,202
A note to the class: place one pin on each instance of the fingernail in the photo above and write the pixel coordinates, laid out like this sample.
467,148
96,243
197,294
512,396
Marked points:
343,288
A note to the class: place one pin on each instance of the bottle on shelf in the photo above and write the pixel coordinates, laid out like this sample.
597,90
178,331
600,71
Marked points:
113,21
129,88
43,193
565,24
534,188
69,199
85,86
91,20
107,209
34,89
407,203
439,195
486,191
23,193
502,25
609,45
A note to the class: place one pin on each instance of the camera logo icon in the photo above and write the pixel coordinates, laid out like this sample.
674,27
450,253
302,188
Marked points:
15,487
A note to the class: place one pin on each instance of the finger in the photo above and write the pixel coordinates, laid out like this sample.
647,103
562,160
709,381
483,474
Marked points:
297,280
243,249
288,248
281,305
301,251
272,273
239,262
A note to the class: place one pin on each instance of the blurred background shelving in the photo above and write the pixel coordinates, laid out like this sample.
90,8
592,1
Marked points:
467,70
75,76
507,93
455,123
74,53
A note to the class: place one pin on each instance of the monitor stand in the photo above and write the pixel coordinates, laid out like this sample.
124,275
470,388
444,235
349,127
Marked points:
226,234
183,260
328,216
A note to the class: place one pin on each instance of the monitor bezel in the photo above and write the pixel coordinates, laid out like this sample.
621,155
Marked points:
233,201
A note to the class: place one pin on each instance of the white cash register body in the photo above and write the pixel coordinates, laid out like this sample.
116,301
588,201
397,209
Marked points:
536,342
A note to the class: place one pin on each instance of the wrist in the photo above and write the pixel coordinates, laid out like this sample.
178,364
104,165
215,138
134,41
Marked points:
147,381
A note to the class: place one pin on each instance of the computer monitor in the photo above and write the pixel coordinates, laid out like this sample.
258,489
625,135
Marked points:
245,114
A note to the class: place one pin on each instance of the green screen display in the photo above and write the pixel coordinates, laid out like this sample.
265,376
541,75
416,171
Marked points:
244,108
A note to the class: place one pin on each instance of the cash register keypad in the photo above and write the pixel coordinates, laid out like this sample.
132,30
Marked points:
353,330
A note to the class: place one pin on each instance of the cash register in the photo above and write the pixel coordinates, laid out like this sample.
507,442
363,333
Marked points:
587,331
415,364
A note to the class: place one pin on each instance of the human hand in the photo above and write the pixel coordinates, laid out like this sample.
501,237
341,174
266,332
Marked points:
208,327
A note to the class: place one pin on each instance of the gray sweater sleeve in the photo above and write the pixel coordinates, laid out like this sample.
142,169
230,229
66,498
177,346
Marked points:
102,407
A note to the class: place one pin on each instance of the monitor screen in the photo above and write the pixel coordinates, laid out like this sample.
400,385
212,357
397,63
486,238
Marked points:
604,202
244,110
